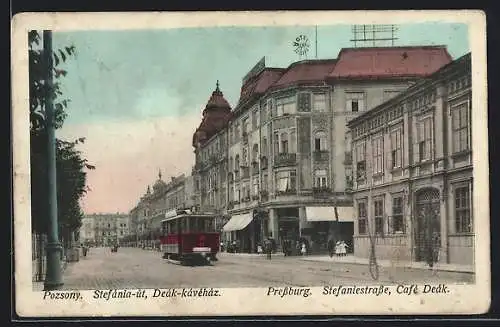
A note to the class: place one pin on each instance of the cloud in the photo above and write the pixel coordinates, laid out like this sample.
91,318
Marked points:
127,156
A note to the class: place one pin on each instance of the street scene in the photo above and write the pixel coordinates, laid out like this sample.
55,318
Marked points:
307,156
137,268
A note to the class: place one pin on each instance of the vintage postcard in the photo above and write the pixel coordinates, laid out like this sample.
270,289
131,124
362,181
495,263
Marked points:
250,163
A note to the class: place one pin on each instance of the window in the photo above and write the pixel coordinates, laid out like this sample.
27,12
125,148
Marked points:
244,161
237,163
378,206
361,218
378,151
264,182
319,102
460,117
276,144
320,141
463,221
355,101
293,141
255,185
254,119
360,162
285,106
425,139
320,179
264,146
286,181
397,223
396,153
284,143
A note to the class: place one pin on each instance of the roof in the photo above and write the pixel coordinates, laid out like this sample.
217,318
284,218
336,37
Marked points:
260,83
387,62
306,71
216,116
463,60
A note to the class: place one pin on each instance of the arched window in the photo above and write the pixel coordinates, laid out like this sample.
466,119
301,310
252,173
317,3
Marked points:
320,143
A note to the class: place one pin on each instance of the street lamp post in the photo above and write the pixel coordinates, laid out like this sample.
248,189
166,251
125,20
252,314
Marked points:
53,278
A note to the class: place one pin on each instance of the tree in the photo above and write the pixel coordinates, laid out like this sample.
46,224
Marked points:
71,166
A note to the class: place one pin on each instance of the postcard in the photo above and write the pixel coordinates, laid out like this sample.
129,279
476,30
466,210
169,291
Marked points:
250,163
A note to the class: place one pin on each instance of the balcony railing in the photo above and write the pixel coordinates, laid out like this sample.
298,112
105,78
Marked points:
285,159
321,190
287,192
321,155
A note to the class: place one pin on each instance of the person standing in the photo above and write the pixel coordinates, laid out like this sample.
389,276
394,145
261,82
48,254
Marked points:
269,248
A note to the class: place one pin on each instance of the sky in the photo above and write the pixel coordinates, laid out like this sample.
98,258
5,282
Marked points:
137,96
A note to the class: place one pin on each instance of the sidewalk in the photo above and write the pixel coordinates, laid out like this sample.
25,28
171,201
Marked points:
279,254
351,259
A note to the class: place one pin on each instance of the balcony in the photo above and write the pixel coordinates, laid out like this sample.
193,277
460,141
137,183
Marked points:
290,191
285,159
321,192
321,155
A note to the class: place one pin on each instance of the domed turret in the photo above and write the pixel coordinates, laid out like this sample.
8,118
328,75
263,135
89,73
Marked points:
159,184
216,115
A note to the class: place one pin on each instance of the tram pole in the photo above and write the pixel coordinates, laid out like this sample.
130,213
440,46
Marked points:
53,278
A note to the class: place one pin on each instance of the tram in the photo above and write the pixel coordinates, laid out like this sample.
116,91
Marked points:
189,238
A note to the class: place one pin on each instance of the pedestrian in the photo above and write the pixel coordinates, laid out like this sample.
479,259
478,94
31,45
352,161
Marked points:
331,247
342,248
269,248
259,249
303,249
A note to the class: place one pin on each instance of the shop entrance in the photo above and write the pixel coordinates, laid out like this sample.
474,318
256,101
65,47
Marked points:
427,225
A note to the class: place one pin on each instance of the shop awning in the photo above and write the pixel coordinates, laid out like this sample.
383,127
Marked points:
346,214
238,222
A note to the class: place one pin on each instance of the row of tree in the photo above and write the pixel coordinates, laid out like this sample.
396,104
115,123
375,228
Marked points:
71,165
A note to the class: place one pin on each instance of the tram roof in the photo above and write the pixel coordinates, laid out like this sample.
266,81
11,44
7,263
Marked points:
193,215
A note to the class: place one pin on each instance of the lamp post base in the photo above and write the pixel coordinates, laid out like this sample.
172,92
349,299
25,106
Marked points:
53,277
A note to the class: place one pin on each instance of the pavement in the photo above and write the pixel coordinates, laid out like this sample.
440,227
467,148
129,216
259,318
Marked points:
137,268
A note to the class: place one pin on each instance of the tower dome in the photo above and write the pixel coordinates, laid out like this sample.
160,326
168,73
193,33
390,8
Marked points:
159,184
216,115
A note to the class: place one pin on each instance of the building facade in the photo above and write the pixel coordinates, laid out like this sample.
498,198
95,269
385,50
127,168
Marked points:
104,229
411,169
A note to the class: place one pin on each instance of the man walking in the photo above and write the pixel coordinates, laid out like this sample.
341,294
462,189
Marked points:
269,248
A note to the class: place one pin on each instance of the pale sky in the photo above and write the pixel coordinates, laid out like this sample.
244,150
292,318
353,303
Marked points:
137,96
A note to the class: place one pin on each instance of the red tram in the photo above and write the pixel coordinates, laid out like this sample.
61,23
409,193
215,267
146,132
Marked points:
189,238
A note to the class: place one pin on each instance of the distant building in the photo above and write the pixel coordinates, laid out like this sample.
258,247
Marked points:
147,215
104,229
412,170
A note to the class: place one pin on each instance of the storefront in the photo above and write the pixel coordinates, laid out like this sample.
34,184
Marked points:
322,226
240,230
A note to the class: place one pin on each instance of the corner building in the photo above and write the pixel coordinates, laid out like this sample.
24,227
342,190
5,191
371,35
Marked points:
287,164
412,171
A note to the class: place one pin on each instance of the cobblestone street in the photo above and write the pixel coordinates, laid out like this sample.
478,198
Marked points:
137,268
